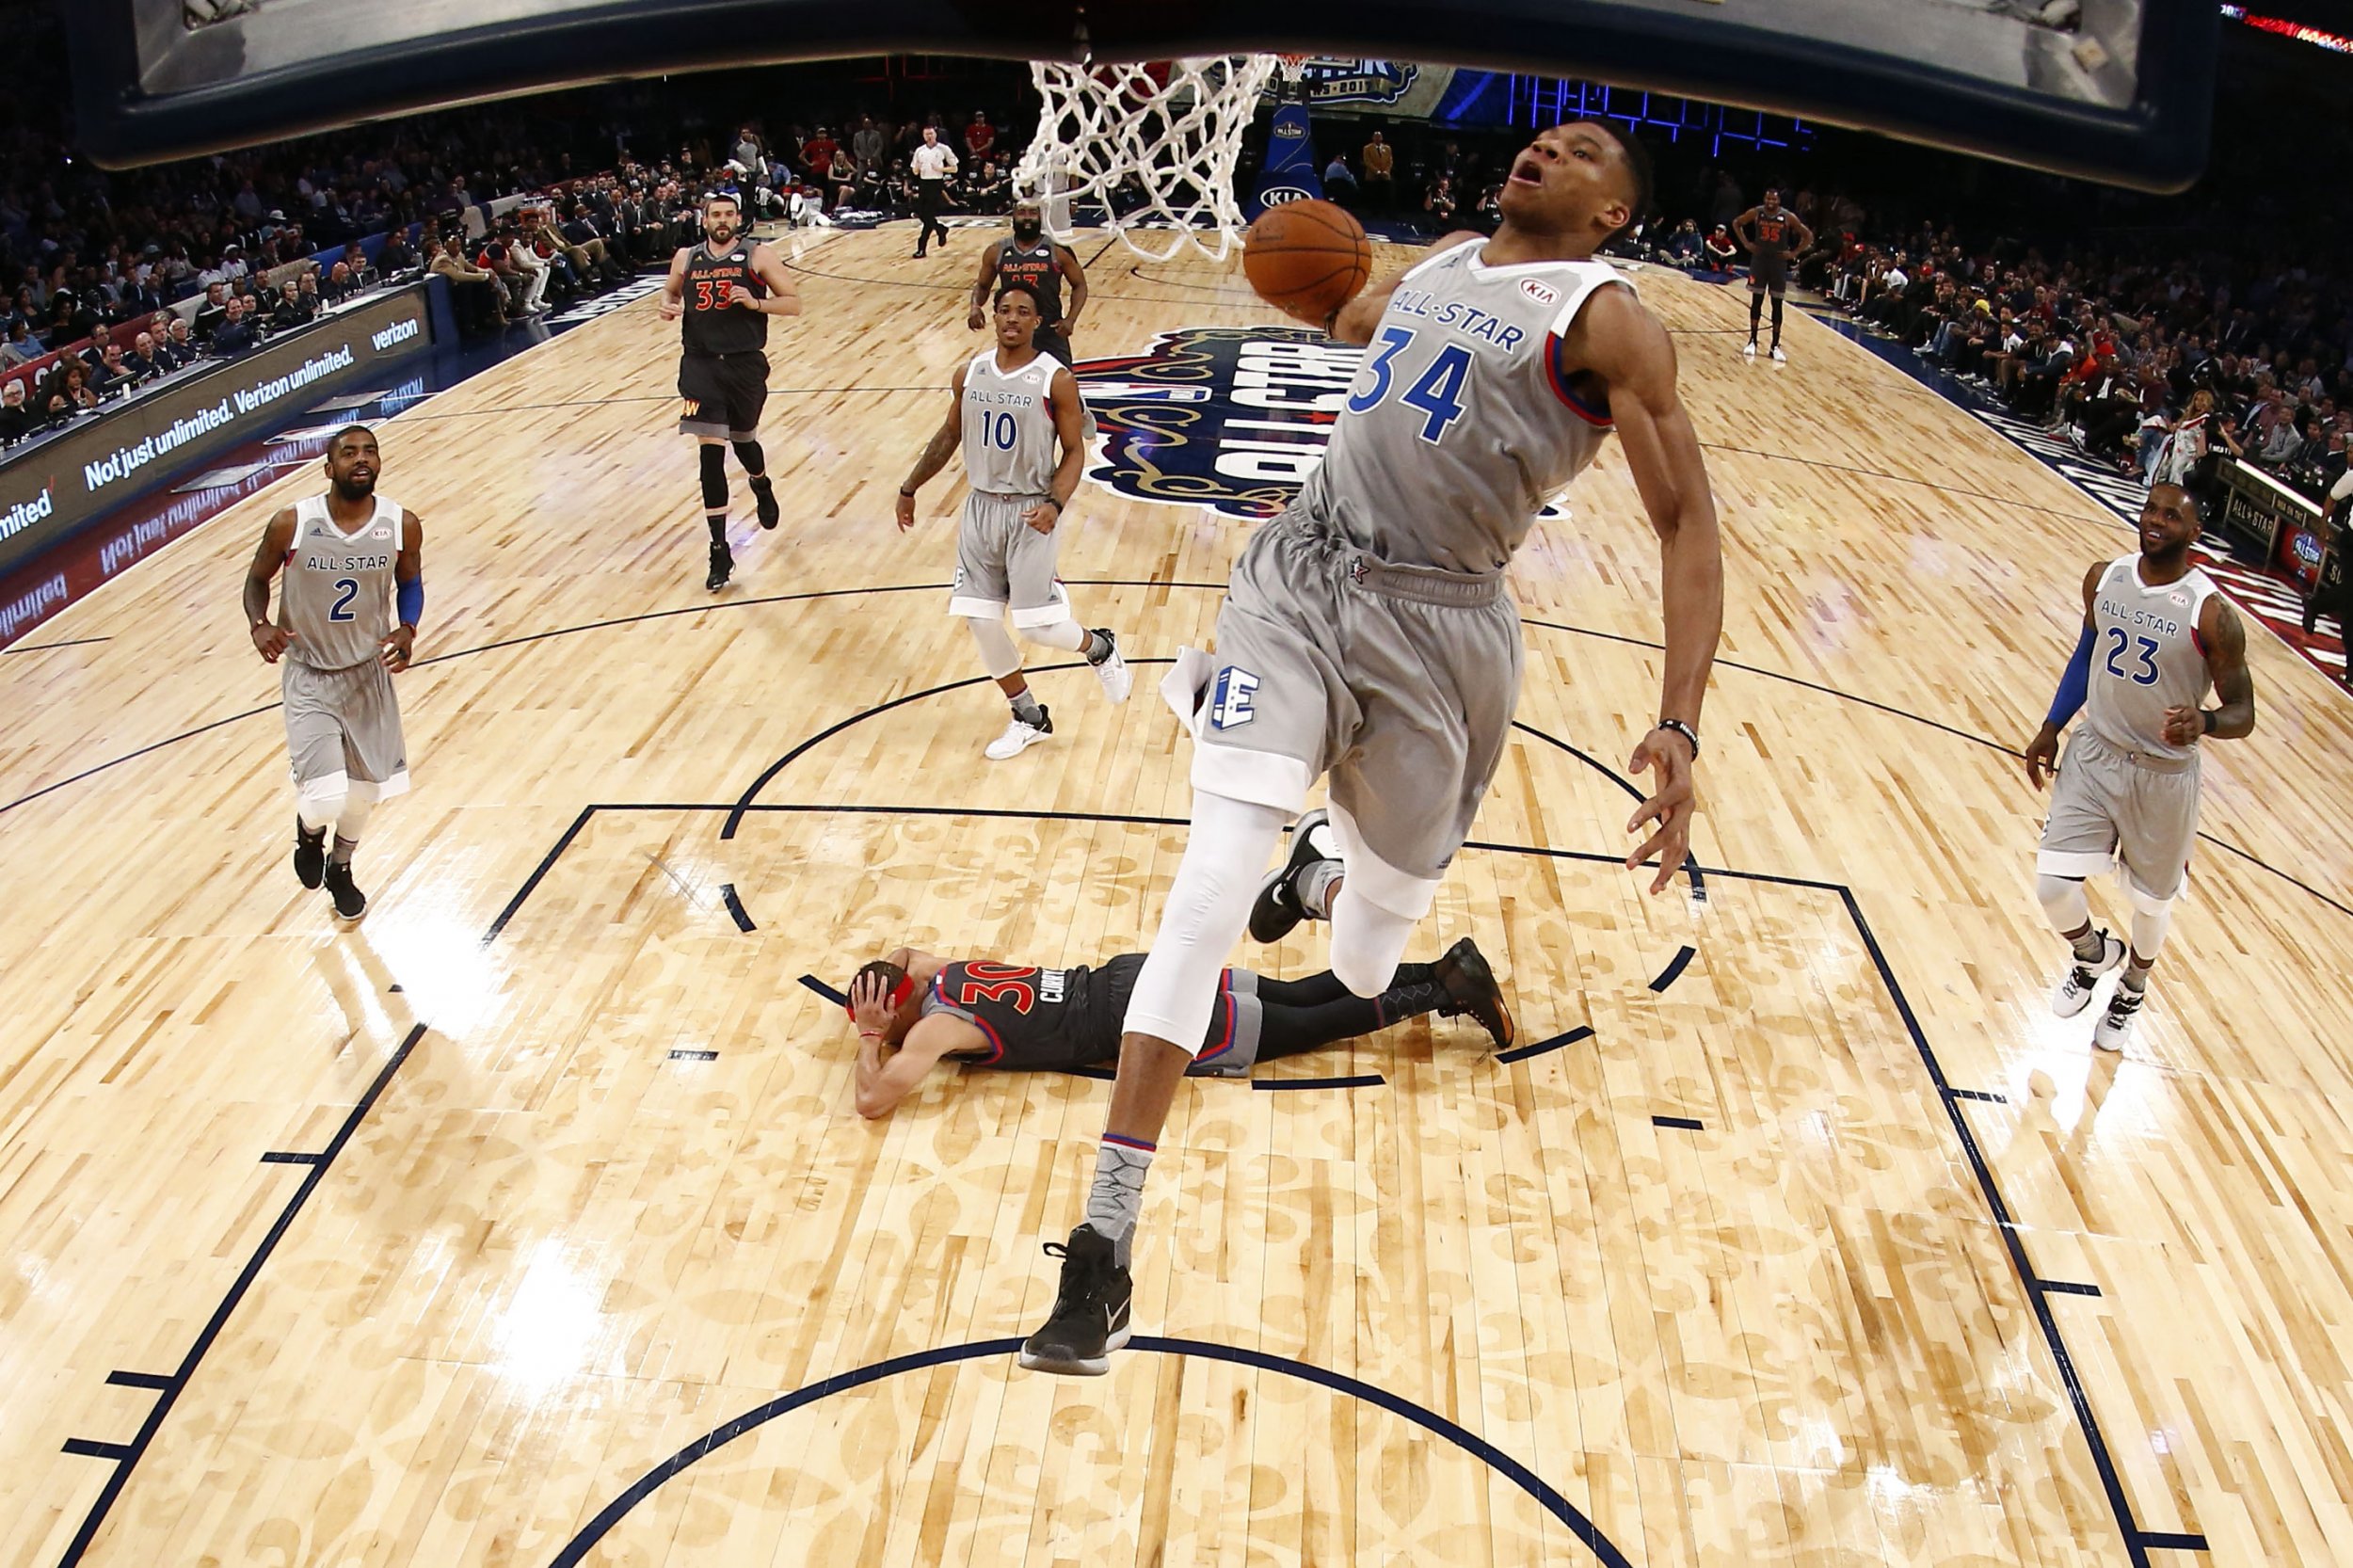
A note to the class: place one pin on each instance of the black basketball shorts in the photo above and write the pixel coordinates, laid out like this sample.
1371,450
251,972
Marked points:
724,394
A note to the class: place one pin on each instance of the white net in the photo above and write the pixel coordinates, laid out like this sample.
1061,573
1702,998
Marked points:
1152,147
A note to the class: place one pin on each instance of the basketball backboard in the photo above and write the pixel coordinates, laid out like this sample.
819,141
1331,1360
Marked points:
2116,89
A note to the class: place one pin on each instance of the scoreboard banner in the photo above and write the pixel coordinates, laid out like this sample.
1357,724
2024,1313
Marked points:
1355,86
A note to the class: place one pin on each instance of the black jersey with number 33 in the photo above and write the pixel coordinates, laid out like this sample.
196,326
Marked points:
710,325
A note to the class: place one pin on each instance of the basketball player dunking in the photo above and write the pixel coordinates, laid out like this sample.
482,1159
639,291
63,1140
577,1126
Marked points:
913,1011
1009,410
2156,634
726,287
1367,633
346,623
1773,234
1029,257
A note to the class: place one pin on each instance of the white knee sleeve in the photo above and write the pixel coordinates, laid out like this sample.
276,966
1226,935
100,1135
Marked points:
1226,858
320,801
998,655
1065,634
2063,901
2151,919
359,806
1367,941
1374,916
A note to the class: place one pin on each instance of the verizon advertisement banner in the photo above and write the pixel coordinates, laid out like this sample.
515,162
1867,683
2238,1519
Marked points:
49,491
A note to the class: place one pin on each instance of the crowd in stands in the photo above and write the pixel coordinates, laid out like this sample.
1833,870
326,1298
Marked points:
809,174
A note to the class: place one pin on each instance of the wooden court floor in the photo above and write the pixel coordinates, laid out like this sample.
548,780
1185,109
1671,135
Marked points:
529,1222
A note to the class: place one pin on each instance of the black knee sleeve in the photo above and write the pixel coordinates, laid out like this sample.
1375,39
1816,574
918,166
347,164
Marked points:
714,478
754,461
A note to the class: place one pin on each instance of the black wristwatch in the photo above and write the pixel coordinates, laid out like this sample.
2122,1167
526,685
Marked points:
2205,721
1685,730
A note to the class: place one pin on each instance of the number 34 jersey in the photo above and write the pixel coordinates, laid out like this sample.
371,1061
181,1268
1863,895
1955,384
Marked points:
1459,426
338,594
2146,657
1034,1019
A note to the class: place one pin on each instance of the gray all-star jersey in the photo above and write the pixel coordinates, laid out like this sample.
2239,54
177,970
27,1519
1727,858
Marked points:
2146,657
1009,425
338,597
1458,427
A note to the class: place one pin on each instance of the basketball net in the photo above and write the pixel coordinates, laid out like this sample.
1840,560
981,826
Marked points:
1174,128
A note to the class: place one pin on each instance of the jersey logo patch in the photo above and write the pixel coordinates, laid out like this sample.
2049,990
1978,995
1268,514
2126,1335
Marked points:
1230,418
380,532
1540,291
1229,700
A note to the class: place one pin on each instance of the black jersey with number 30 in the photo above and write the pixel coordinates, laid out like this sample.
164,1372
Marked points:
1034,1020
710,325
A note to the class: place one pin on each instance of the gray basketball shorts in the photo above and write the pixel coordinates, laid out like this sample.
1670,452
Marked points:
2106,807
1397,681
1002,562
343,724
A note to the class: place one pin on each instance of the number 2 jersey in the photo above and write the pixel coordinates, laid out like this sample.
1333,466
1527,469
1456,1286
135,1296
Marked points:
2146,657
337,599
1054,1020
1459,425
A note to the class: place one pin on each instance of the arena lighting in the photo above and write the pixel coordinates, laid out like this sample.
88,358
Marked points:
2337,42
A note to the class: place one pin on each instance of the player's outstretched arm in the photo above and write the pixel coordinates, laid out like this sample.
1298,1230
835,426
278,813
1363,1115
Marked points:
269,639
2074,688
983,281
884,1079
784,295
2225,638
674,287
941,447
1616,339
1354,322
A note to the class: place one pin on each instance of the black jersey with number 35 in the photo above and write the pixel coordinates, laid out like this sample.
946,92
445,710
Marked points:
710,325
1034,1020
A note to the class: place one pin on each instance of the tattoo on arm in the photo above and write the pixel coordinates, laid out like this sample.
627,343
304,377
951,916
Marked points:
2233,682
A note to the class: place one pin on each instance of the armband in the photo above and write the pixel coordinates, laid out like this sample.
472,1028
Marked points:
410,598
2074,684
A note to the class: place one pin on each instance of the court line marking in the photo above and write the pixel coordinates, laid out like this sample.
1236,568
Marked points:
735,907
577,1549
44,648
2248,855
2137,1542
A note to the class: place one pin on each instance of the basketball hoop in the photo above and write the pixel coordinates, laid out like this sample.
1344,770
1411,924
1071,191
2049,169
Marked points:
1173,128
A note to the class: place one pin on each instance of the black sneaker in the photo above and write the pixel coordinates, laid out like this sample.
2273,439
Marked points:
1278,909
1471,986
764,497
1089,1316
350,903
722,566
310,855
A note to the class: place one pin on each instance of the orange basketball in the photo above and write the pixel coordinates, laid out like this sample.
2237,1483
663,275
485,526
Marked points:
1307,258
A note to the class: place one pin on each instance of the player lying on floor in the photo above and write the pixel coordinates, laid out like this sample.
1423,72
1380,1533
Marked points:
915,1010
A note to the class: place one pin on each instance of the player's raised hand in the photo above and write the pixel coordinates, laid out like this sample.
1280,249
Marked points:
2184,726
1672,800
870,1006
270,640
396,648
2042,757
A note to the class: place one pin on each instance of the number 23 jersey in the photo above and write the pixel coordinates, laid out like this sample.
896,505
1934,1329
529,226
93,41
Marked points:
2146,657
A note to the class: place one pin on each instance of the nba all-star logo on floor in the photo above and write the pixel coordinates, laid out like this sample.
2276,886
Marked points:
1229,417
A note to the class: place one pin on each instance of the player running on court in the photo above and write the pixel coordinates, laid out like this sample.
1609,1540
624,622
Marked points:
726,287
2156,632
1774,234
1367,633
1009,410
1029,257
346,623
913,1011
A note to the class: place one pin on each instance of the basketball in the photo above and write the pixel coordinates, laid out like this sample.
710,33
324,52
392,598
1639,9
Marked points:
1307,259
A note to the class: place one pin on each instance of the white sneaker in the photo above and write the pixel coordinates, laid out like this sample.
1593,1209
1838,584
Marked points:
2116,1025
1778,358
2073,993
1019,737
1750,352
1117,679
